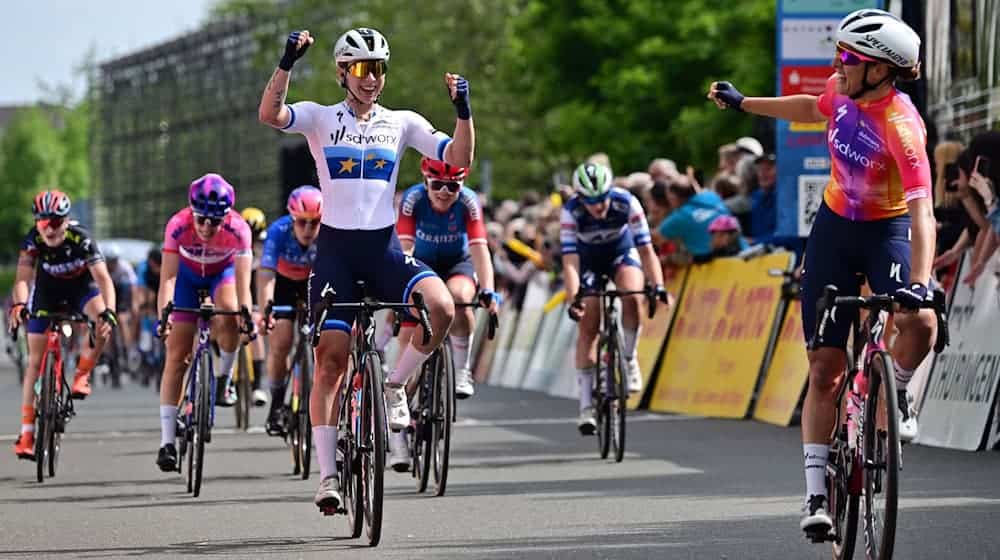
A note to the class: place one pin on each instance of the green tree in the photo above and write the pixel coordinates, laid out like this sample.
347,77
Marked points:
33,156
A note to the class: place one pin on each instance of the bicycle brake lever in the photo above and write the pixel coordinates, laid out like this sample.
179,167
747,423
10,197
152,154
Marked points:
491,331
425,321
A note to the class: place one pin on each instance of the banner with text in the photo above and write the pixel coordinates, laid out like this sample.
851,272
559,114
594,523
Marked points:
654,336
714,354
787,373
962,387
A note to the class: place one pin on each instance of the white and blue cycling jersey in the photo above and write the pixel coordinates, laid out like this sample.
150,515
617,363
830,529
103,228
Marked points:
582,232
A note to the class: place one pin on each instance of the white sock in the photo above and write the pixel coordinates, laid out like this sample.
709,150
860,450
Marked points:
460,351
26,428
383,336
226,361
325,439
168,424
903,376
815,463
631,340
585,382
409,362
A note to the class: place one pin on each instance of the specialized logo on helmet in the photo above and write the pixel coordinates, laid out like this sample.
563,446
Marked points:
892,55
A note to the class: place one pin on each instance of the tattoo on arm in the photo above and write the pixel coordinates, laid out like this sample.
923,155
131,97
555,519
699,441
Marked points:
279,98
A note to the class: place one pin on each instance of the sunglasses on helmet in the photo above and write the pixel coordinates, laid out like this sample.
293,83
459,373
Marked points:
361,68
452,186
203,220
851,58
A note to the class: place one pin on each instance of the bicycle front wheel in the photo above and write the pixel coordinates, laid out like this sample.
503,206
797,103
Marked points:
243,390
45,416
618,403
373,446
880,455
202,412
444,399
304,421
601,400
423,433
843,504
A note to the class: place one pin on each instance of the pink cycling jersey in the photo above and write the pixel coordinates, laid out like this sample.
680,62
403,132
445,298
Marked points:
879,155
206,258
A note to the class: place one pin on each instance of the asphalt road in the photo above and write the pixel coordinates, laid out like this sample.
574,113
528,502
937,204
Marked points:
523,484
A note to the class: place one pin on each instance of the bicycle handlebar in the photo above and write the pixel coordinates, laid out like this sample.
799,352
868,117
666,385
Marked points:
368,305
494,324
60,317
207,311
650,297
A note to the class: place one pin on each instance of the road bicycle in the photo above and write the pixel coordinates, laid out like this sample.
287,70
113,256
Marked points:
865,456
434,412
196,409
610,389
297,425
362,428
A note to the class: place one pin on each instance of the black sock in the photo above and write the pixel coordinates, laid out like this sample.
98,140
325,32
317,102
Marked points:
258,371
278,394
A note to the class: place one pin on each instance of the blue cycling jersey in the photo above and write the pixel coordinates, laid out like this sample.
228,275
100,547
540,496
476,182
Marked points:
581,230
284,254
439,236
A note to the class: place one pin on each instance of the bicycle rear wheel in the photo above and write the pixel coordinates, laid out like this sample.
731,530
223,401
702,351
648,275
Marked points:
618,401
202,411
423,432
304,421
45,416
443,412
350,482
843,504
372,444
880,453
601,401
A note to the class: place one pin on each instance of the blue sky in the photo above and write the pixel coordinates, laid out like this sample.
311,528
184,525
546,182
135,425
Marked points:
45,40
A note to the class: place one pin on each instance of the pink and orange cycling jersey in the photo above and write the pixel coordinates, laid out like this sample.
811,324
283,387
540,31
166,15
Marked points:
206,258
879,155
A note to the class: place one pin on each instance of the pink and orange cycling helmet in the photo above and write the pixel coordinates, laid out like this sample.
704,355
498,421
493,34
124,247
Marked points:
306,202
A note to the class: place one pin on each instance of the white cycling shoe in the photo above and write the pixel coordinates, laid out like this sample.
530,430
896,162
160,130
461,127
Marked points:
399,451
908,428
463,384
815,519
587,424
398,407
260,397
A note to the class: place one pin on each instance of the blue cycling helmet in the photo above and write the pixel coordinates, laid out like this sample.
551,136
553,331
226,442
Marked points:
211,195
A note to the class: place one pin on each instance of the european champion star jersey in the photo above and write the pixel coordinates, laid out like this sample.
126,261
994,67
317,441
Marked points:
580,230
284,254
440,236
205,258
357,162
879,155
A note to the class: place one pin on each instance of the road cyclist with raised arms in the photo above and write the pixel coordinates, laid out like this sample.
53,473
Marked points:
206,247
441,223
876,219
357,145
69,274
603,231
282,280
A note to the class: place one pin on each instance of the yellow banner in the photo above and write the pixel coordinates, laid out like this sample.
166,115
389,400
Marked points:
787,373
807,127
715,351
654,331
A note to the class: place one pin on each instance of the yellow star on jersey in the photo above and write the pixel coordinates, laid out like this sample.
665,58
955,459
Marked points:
347,165
380,164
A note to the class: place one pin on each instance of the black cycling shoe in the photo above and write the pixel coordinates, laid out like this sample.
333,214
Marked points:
225,392
275,423
166,458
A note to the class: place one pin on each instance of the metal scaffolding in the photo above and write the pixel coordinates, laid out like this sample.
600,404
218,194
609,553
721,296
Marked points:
171,113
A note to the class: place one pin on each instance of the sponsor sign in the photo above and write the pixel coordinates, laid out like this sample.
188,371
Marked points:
654,336
826,6
811,189
526,334
808,79
720,336
808,39
786,374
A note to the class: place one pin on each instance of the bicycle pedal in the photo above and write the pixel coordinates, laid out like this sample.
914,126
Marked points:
331,510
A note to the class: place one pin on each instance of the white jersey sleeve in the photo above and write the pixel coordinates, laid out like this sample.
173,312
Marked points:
567,232
303,117
637,223
421,136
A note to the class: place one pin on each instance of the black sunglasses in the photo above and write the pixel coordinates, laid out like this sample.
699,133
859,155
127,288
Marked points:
202,220
452,186
302,222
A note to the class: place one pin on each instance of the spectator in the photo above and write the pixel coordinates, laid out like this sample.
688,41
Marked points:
750,150
656,203
971,214
731,189
729,158
693,212
663,169
981,162
763,202
727,241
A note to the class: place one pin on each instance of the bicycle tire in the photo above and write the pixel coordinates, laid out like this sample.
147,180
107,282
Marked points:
876,451
423,436
618,404
243,390
58,418
350,483
305,422
443,414
292,429
843,504
601,403
202,411
373,429
43,424
180,434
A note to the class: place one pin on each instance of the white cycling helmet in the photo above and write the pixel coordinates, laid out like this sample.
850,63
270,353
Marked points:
880,35
592,181
362,43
